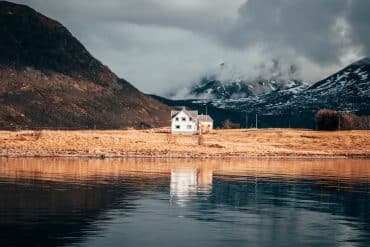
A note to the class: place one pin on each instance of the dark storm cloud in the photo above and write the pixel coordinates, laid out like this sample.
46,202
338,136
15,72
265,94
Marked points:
308,27
159,44
359,20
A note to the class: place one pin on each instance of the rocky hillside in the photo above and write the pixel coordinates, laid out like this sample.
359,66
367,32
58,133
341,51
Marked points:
48,79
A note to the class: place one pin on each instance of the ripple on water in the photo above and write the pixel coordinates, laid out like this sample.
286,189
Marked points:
139,202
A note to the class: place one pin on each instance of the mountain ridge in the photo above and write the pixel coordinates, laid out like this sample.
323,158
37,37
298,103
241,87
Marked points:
49,80
213,88
347,90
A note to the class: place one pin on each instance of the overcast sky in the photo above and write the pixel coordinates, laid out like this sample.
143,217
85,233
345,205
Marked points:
166,45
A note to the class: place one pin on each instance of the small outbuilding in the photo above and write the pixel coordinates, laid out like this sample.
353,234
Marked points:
205,123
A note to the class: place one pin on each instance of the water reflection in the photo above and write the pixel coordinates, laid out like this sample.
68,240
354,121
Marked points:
187,183
56,202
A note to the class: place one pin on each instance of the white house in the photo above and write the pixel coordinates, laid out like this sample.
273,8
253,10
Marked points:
184,122
189,122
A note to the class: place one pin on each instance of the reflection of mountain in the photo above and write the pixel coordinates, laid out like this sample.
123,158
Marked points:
58,203
297,212
72,200
308,193
32,213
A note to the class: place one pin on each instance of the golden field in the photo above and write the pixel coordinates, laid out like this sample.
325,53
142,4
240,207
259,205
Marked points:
240,143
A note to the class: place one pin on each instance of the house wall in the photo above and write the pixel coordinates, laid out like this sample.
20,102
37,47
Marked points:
186,126
206,126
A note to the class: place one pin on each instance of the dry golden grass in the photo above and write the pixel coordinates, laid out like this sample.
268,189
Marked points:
160,143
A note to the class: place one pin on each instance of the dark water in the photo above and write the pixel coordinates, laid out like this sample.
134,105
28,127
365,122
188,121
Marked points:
54,202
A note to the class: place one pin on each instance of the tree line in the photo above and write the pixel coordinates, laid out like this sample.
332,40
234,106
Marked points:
327,119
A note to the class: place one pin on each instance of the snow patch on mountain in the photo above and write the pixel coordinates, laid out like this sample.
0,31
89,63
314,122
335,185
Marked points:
346,90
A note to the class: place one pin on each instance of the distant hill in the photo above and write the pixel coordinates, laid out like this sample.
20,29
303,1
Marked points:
347,90
48,79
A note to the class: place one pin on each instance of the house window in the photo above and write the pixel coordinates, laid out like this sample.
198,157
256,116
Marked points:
189,127
177,126
183,119
177,119
190,119
209,126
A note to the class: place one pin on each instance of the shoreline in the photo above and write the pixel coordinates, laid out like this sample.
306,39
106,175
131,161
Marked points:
190,156
239,144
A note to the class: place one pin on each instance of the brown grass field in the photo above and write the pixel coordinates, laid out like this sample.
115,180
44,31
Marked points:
240,143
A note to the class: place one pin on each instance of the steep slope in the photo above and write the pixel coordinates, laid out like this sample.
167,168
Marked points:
48,79
354,80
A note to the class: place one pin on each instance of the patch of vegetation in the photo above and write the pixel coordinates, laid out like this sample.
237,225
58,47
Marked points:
327,119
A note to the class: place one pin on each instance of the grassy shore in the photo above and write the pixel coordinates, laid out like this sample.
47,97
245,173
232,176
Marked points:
245,143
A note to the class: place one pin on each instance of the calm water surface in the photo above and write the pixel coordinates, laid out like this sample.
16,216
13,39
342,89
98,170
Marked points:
71,202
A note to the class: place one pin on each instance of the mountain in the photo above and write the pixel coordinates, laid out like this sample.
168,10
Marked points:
49,80
347,90
213,88
354,80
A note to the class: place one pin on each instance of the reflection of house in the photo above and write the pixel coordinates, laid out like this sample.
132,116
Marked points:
186,183
189,122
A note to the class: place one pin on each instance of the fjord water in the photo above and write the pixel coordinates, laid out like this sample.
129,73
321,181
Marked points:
136,202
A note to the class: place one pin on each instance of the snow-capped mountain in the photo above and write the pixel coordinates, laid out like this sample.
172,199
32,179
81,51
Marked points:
213,88
351,81
346,90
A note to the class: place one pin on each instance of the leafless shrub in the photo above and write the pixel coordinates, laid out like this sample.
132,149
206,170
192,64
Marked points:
347,121
361,122
327,119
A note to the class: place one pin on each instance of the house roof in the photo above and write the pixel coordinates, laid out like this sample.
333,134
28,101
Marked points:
204,118
193,114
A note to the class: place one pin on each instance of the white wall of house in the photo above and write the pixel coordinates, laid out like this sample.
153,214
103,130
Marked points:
183,124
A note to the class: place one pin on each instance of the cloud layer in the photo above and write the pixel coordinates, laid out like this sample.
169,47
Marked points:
165,45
